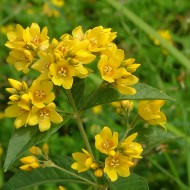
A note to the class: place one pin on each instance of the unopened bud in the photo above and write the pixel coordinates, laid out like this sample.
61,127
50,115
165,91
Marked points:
98,172
35,150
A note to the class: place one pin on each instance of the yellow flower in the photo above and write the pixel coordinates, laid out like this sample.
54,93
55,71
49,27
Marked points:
44,116
43,63
105,141
97,109
62,73
117,165
129,65
21,59
83,162
110,69
62,188
35,38
123,84
149,110
22,115
7,28
78,33
50,12
165,34
129,148
17,38
30,162
1,151
41,93
58,3
99,37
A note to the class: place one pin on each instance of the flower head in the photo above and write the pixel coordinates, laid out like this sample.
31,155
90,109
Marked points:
105,141
44,116
149,110
83,162
99,37
129,148
117,165
41,93
62,73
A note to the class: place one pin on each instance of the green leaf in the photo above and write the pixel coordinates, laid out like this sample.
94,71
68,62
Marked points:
133,182
23,180
107,93
26,137
152,136
77,90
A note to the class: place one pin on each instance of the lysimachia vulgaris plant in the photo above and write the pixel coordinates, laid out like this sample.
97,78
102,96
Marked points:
62,66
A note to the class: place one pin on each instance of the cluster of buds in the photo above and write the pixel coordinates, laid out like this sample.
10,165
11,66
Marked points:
119,156
32,162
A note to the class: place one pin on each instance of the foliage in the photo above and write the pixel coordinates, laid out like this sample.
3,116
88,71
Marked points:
145,30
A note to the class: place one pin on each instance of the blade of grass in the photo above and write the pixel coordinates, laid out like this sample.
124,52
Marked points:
164,171
150,31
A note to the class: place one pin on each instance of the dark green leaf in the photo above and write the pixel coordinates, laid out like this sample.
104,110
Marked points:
133,182
26,137
153,136
77,90
107,93
23,180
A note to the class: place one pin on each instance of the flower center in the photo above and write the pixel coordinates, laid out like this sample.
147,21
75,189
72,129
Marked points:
147,108
44,113
36,40
107,144
93,41
114,162
62,71
39,94
107,69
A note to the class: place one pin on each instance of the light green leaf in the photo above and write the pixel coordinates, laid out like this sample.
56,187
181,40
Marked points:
26,137
23,180
106,93
133,182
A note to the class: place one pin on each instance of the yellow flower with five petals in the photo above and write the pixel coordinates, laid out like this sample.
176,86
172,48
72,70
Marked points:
105,141
44,116
84,161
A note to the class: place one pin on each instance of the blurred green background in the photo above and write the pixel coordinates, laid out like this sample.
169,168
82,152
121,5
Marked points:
165,166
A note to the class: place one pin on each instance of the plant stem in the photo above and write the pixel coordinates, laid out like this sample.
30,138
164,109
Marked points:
130,127
74,175
149,31
79,122
182,185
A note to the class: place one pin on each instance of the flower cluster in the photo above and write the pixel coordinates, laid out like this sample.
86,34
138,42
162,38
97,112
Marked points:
32,105
119,156
32,162
61,61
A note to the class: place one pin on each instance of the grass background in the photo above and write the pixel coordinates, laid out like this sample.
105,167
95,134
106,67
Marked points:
166,166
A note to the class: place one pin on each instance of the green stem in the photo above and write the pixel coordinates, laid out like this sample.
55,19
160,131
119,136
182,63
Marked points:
182,185
130,127
172,166
74,175
150,31
79,122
